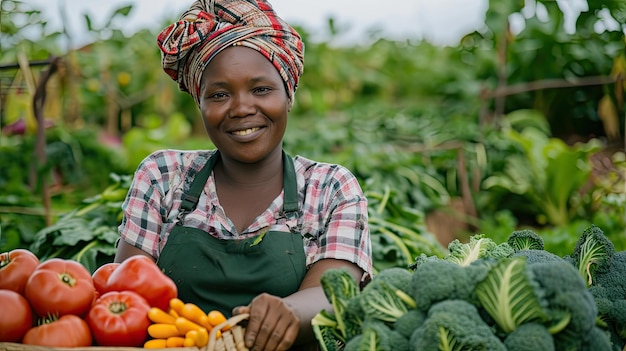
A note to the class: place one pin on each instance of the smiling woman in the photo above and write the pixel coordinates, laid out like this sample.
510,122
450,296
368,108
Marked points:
245,228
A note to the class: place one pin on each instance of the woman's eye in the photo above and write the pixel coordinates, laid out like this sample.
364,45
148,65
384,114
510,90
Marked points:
217,96
262,90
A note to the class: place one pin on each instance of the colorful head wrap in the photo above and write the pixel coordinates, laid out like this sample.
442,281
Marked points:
210,26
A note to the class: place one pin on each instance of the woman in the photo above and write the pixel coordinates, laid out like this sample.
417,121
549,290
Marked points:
245,227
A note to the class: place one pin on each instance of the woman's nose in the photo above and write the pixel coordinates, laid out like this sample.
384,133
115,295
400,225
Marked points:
242,106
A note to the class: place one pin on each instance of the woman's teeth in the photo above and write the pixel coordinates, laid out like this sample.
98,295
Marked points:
246,131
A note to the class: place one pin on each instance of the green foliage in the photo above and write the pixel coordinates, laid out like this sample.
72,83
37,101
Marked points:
87,234
547,174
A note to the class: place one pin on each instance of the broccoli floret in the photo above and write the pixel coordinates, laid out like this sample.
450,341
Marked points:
510,294
353,317
460,307
377,335
398,342
478,247
597,340
609,291
614,278
592,253
529,337
525,239
537,256
571,307
445,329
382,299
410,321
438,280
397,277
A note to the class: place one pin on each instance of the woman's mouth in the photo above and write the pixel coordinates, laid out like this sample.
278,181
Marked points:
246,131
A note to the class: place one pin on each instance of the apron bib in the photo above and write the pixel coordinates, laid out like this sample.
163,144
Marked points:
218,274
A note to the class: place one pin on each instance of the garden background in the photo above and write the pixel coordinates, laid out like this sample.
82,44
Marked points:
508,129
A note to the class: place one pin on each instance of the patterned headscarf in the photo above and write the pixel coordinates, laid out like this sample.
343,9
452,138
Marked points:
210,26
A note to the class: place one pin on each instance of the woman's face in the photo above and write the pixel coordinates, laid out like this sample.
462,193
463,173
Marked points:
244,104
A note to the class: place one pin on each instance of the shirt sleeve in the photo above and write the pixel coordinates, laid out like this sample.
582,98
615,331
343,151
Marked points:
346,234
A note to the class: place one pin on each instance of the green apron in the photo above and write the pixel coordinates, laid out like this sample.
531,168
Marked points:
220,274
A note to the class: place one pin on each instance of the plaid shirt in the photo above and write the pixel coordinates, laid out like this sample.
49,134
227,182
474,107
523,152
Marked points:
333,210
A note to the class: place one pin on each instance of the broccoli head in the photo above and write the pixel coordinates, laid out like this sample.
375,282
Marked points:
382,299
529,337
436,280
478,247
597,340
592,253
613,279
609,291
410,321
446,329
525,239
510,294
571,307
377,335
397,277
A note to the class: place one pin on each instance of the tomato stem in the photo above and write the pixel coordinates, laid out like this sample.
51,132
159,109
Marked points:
67,279
118,307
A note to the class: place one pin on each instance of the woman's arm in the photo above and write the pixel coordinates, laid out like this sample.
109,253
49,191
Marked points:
126,250
277,324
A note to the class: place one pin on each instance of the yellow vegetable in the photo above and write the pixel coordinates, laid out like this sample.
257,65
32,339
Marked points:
163,330
157,315
155,344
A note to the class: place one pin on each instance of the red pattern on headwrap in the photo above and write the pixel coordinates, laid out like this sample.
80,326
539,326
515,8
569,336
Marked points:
209,26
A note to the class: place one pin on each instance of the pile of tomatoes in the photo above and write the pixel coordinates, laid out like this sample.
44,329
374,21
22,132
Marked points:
59,303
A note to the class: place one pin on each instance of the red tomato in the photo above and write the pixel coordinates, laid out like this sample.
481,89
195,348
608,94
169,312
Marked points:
142,275
101,276
67,331
59,287
15,268
16,317
119,318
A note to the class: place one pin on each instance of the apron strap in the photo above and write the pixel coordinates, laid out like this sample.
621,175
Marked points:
190,198
290,186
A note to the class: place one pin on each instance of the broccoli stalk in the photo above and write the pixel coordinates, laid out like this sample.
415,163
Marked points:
381,300
339,287
508,295
325,330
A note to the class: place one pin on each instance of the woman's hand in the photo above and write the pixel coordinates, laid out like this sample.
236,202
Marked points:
272,325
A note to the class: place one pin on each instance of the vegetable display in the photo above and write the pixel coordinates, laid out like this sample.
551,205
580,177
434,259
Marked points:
484,295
